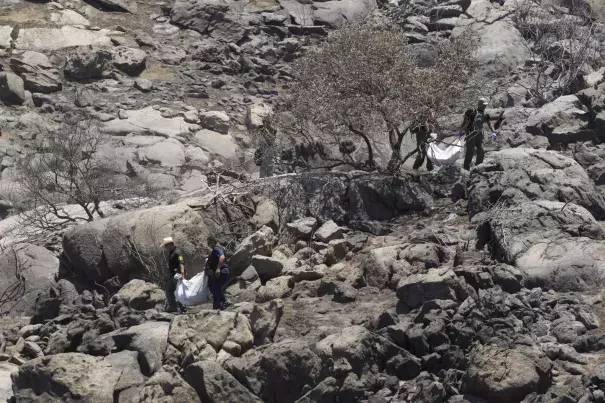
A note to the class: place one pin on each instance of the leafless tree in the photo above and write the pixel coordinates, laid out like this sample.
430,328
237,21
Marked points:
362,90
565,40
66,168
16,290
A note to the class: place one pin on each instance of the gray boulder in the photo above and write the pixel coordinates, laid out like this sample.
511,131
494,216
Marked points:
164,386
36,268
65,377
417,289
208,17
83,247
520,174
216,328
129,60
329,231
279,372
264,321
565,120
215,385
12,90
302,228
85,63
501,47
267,267
335,14
279,287
149,340
216,121
141,295
6,385
259,243
38,73
119,5
502,375
127,363
557,245
266,213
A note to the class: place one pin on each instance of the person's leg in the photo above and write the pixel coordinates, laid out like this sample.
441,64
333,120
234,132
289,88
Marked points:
170,298
470,150
419,159
429,163
223,278
215,288
480,150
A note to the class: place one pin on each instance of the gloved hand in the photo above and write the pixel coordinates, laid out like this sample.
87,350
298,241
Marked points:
494,137
459,133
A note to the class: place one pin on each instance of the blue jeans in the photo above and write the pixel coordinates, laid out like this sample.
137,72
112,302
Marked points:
216,286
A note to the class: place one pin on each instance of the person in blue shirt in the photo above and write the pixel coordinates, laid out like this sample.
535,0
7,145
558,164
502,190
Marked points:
218,275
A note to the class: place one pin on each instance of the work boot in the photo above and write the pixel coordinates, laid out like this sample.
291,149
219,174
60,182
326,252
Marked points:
171,309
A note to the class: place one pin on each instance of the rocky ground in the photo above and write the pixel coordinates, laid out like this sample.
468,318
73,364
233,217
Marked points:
447,286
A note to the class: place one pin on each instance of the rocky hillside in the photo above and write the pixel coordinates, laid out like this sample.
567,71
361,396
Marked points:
444,286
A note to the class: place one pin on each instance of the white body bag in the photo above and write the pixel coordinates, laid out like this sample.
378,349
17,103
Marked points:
194,291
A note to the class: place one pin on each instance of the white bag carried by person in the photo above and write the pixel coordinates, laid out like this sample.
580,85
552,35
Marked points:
448,156
192,292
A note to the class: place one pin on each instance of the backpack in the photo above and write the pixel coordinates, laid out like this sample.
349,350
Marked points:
470,115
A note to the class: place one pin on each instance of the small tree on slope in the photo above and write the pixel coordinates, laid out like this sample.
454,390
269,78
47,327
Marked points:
363,89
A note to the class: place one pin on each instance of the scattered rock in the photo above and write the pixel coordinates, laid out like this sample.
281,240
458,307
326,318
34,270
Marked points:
12,90
141,295
65,377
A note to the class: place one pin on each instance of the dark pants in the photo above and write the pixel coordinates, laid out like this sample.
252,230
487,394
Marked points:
171,284
216,286
474,141
422,147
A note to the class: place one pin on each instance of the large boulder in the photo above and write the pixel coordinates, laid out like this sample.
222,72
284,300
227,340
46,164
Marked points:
520,174
6,384
127,363
215,385
381,198
38,73
141,295
129,60
227,330
558,245
149,340
505,375
335,14
164,386
68,377
208,17
501,48
417,289
26,273
279,372
264,320
128,245
83,247
119,5
259,243
84,63
12,90
216,121
564,120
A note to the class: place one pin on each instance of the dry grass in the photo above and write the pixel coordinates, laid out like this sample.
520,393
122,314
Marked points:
155,71
25,15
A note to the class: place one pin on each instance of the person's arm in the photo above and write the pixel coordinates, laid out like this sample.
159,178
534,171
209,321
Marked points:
221,261
489,124
464,121
182,266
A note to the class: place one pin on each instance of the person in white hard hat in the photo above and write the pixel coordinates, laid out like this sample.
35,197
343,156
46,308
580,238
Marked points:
472,127
176,265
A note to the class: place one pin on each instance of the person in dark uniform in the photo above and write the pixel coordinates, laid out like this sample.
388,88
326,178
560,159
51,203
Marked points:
422,131
218,274
176,265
